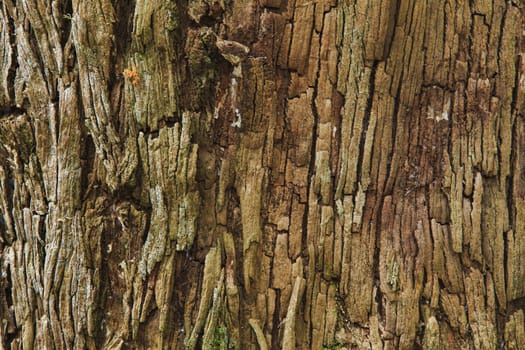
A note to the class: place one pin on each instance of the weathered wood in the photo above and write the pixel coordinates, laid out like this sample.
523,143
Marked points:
274,174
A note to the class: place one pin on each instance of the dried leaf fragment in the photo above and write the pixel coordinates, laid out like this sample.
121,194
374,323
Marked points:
132,75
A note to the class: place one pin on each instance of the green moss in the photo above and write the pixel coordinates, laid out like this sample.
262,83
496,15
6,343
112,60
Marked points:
201,50
329,273
333,346
172,12
220,339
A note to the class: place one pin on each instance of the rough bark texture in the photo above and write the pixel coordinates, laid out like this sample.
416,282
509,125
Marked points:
262,174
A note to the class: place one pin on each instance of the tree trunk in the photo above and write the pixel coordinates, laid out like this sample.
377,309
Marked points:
264,174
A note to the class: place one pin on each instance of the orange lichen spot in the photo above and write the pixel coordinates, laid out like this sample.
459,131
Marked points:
132,75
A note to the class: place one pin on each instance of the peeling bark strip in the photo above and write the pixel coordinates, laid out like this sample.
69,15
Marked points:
262,175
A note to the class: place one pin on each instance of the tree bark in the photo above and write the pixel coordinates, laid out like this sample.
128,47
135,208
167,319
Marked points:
265,174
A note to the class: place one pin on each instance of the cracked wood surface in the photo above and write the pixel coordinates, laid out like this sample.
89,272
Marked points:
262,174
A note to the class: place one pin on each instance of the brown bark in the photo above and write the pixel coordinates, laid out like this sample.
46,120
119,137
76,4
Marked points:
262,174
